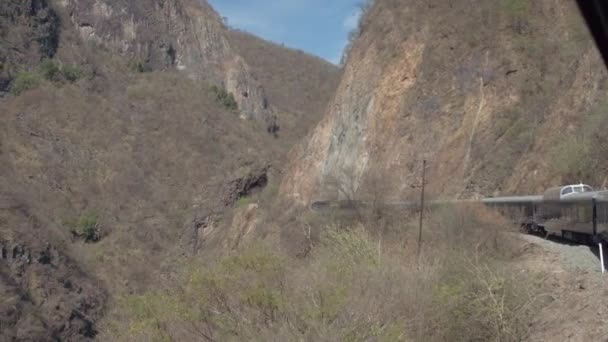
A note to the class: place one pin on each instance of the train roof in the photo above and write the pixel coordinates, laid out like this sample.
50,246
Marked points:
565,193
561,192
585,196
513,200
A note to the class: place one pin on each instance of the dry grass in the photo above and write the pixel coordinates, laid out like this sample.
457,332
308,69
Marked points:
574,155
137,148
347,289
153,153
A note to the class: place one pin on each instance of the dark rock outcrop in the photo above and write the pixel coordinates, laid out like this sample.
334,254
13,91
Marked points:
30,31
46,297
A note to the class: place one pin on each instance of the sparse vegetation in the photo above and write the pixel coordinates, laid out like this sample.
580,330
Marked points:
516,7
571,157
225,98
242,202
24,80
72,73
346,290
574,155
49,70
595,119
354,34
86,227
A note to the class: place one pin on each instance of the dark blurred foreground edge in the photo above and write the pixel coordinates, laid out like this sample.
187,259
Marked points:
596,15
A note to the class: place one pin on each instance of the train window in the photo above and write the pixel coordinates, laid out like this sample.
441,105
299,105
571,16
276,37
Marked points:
567,190
587,188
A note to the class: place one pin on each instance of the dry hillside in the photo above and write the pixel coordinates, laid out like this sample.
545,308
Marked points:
500,96
144,168
299,85
129,131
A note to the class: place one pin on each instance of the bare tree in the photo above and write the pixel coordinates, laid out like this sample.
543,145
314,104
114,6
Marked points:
344,184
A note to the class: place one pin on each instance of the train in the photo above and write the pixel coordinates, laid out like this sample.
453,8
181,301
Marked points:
574,212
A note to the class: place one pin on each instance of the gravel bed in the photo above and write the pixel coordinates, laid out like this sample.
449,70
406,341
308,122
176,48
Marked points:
572,256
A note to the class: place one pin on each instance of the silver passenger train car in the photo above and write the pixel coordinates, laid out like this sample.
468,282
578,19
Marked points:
575,212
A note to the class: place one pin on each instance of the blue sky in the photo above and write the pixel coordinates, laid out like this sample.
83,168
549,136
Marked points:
319,27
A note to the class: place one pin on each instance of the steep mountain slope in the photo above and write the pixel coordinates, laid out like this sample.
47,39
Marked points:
149,168
299,85
187,35
120,151
500,96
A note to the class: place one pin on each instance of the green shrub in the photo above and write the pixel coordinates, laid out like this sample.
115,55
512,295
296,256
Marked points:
23,81
220,294
516,7
242,202
87,227
49,70
353,246
225,98
347,289
72,73
257,293
147,312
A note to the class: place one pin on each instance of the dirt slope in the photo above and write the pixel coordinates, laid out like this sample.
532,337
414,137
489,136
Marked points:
500,96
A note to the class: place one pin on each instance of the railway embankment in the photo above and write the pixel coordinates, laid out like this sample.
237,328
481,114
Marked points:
568,256
574,290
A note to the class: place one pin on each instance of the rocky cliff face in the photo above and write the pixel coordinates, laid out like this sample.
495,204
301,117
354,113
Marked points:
499,96
162,34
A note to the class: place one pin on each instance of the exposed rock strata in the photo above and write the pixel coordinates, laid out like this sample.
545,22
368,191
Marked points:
485,91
